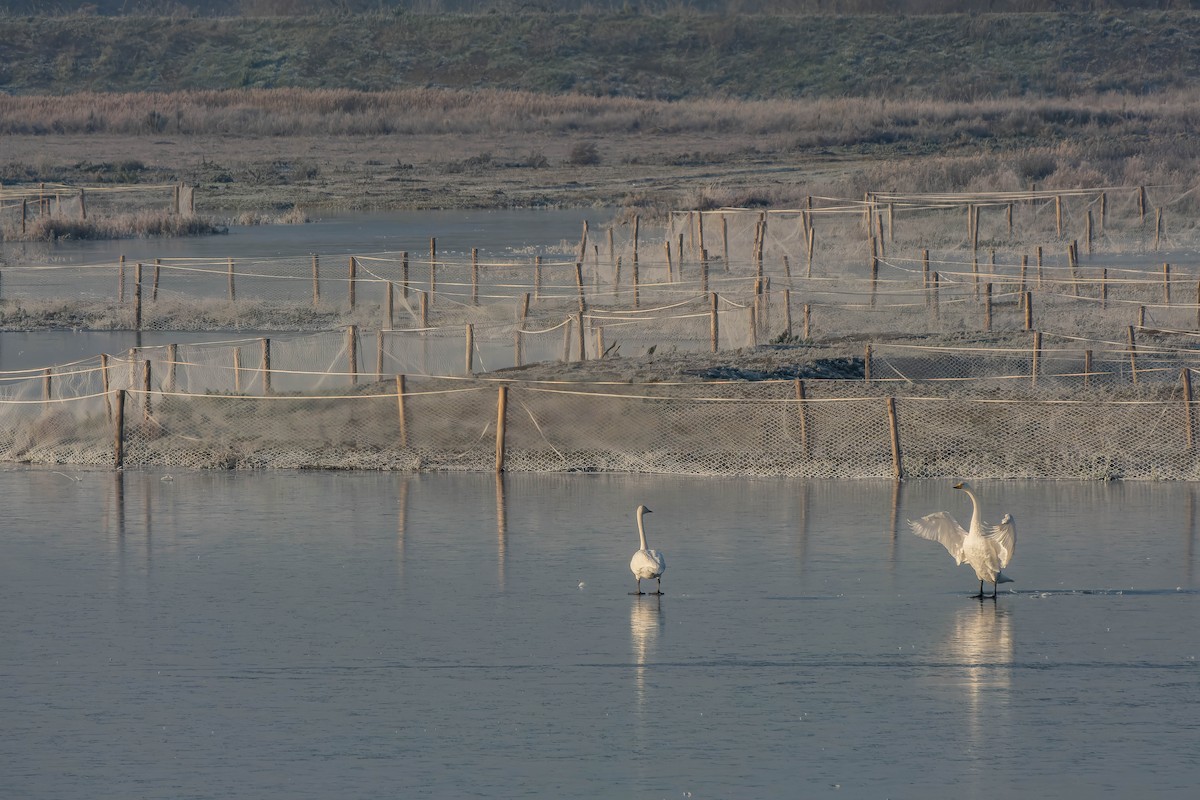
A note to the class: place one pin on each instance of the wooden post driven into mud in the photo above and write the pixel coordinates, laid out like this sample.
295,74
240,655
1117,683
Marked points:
475,268
352,352
802,409
1185,375
1132,356
266,365
501,422
316,275
352,281
1037,356
401,412
987,306
714,330
172,364
232,293
137,296
121,280
119,431
470,349
894,430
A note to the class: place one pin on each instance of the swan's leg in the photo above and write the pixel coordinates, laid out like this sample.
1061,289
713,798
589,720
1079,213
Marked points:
659,586
639,589
995,588
980,595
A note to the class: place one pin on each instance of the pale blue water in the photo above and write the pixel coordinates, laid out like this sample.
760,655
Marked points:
358,635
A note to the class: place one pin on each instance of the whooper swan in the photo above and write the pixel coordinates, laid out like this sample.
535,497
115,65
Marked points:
987,548
646,563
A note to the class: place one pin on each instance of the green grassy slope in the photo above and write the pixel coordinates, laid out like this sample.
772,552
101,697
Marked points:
956,57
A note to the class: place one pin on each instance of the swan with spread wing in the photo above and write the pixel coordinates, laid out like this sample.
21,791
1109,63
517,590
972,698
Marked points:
987,548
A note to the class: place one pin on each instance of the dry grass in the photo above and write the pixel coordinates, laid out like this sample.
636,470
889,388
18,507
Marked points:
118,226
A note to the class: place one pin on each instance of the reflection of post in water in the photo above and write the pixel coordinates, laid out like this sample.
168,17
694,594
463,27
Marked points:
401,520
501,529
805,495
895,524
119,503
645,620
981,646
1191,534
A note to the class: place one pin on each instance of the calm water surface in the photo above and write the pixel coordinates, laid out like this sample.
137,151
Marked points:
317,635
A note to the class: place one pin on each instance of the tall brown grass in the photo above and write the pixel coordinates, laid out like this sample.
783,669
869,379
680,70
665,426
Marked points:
812,122
117,226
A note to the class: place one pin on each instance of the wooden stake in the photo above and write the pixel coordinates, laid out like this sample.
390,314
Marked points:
1132,356
802,409
137,297
1029,311
470,349
1087,367
379,355
713,322
867,365
172,364
894,430
475,266
1037,354
353,281
581,336
266,366
787,313
146,397
316,279
1185,374
119,431
401,412
987,307
104,385
389,305
352,352
501,423
232,293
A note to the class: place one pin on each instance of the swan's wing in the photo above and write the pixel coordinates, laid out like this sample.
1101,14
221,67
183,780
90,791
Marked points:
1004,538
941,527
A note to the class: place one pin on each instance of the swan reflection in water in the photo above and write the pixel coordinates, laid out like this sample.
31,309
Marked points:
981,648
645,621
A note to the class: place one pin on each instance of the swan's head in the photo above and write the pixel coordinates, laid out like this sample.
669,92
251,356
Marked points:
643,510
962,485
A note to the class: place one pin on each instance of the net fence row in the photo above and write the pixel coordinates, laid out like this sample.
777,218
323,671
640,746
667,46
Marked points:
432,424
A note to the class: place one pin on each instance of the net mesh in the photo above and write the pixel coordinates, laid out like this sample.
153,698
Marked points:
902,335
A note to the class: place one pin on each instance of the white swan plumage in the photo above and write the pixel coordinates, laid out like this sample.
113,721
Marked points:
987,548
646,563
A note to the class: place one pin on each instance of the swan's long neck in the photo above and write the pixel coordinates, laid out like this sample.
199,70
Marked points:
642,528
976,519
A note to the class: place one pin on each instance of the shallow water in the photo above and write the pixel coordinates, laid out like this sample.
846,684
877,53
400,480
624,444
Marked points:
240,635
329,233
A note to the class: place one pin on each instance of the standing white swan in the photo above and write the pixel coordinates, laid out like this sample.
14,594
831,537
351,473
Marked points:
987,548
646,563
